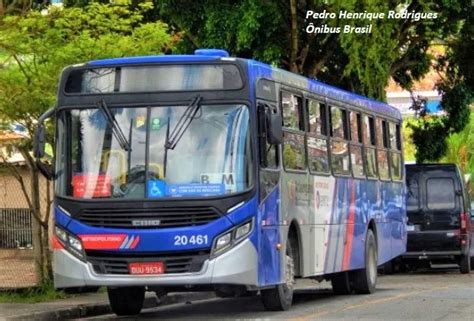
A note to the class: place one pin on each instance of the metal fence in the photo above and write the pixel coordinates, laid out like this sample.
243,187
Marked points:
17,256
15,228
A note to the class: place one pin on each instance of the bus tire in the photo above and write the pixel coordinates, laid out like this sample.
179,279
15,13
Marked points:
280,297
341,283
126,300
364,280
465,264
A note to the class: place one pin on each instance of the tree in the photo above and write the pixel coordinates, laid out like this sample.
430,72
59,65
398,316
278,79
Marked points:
460,148
37,46
275,32
457,89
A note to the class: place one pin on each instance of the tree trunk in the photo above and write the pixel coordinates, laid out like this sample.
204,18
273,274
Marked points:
40,223
294,37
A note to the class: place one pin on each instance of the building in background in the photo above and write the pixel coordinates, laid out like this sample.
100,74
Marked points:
424,90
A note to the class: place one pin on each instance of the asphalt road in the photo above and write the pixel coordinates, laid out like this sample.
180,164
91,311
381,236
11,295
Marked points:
430,295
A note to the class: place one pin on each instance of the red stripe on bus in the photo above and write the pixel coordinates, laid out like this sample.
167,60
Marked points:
102,241
349,231
135,242
56,244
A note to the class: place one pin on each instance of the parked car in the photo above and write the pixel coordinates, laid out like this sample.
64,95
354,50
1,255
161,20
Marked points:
439,216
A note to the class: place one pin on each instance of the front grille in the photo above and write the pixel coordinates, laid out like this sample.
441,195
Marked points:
148,218
117,263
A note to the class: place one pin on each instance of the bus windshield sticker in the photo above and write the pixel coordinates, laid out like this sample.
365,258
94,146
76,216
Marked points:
226,179
155,123
195,189
91,185
156,188
139,121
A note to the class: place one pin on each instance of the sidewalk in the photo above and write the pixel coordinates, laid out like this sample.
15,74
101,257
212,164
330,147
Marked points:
84,305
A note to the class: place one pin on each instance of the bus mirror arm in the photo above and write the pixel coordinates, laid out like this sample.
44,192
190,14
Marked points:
274,128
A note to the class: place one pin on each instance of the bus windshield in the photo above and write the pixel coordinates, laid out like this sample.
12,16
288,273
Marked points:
213,157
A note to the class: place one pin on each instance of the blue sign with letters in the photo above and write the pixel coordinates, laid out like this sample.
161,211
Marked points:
159,188
195,189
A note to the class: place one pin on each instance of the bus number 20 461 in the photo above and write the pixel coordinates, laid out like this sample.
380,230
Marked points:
182,240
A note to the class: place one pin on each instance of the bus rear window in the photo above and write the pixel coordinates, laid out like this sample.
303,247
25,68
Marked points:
154,78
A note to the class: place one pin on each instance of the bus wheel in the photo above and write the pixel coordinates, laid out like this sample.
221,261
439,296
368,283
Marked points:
341,283
280,297
126,300
364,280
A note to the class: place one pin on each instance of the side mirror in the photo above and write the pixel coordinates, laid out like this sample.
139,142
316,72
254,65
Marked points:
274,128
39,142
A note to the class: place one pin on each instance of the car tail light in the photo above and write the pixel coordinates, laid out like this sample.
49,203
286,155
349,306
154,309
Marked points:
464,223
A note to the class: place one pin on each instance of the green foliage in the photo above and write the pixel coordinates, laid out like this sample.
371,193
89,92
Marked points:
38,46
455,102
457,90
429,138
358,62
409,148
460,148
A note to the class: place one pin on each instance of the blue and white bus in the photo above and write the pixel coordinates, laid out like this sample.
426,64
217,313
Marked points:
208,172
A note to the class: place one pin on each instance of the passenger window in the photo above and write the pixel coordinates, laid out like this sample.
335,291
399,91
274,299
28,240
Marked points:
382,162
396,165
370,152
369,131
318,155
395,151
357,161
440,194
356,130
340,157
393,136
384,134
292,111
317,141
370,163
379,133
294,151
317,117
399,139
338,123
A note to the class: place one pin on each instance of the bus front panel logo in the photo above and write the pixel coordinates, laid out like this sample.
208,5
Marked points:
146,222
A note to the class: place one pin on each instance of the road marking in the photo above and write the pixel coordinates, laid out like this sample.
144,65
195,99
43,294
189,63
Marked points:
312,316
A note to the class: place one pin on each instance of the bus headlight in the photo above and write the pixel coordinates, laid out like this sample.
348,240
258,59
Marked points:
243,230
223,241
61,234
71,243
75,243
230,238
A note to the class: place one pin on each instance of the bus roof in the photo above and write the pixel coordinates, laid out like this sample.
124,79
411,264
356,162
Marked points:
261,70
319,88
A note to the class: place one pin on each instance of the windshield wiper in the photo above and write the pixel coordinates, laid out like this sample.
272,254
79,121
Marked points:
183,123
112,122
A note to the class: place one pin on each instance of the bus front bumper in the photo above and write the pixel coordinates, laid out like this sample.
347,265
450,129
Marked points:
237,266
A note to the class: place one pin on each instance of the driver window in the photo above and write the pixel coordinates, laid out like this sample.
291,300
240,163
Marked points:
100,167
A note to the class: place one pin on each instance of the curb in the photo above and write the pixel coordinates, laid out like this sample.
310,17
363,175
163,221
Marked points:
90,310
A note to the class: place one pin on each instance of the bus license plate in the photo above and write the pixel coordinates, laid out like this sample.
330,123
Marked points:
146,268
